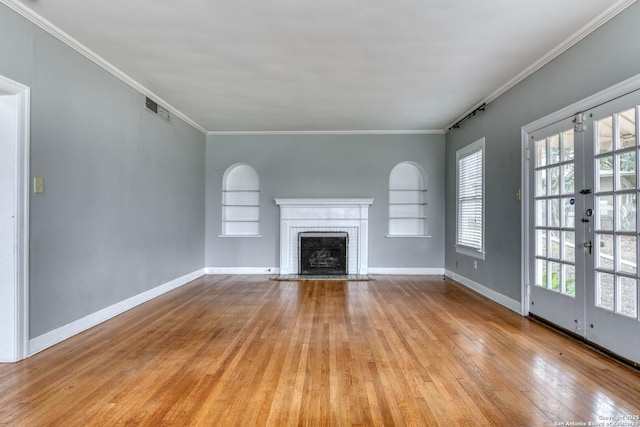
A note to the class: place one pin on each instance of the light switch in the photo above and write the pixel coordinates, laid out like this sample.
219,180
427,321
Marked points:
38,185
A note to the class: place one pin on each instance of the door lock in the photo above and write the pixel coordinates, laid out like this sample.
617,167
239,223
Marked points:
588,245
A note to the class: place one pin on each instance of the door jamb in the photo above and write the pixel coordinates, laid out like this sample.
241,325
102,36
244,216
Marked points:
20,234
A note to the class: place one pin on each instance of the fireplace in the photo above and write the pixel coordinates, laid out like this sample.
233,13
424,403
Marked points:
347,216
323,253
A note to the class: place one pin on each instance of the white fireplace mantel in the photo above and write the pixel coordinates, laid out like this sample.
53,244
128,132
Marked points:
350,215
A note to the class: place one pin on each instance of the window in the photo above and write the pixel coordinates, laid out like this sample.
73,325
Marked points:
470,200
240,201
407,201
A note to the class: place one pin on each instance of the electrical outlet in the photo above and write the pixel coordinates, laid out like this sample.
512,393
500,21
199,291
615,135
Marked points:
475,265
457,264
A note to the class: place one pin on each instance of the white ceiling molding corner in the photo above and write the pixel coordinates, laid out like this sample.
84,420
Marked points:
74,44
603,18
330,132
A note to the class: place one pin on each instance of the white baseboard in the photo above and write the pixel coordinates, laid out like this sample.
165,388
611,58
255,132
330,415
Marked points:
370,270
407,271
509,303
242,270
62,333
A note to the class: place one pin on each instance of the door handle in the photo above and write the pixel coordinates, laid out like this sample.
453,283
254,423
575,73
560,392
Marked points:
588,245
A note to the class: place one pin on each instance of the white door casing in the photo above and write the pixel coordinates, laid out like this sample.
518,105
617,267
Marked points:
14,219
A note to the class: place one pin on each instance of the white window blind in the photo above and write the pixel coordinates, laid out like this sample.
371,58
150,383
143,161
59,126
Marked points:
470,199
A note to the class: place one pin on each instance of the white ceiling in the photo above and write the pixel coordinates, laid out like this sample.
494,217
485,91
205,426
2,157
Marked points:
330,65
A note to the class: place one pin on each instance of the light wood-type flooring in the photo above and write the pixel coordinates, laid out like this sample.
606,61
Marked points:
248,351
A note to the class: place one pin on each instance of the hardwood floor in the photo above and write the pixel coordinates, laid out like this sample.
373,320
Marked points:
244,350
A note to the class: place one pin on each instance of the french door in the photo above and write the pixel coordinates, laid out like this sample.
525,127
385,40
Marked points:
583,227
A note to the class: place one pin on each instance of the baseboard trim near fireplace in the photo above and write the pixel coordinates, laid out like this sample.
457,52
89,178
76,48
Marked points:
242,270
402,271
411,271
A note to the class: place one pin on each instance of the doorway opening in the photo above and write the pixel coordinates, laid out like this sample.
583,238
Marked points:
14,214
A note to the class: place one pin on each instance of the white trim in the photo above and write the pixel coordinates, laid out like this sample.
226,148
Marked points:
412,271
501,299
298,202
582,33
393,236
242,270
233,236
330,132
74,44
62,333
20,234
524,231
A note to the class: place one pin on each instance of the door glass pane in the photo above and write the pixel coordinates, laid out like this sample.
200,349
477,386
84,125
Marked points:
627,167
555,276
541,153
627,211
627,254
568,179
605,174
554,213
604,291
554,149
568,213
569,246
604,219
569,280
541,273
554,180
605,135
627,296
604,247
541,213
541,182
541,243
567,145
554,244
627,128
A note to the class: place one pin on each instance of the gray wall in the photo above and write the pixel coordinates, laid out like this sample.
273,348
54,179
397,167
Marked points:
606,57
325,166
123,208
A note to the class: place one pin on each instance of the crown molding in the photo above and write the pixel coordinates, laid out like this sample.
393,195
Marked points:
65,38
583,32
329,132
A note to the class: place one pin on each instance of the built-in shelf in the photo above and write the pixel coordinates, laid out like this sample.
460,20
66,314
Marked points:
241,212
407,201
407,212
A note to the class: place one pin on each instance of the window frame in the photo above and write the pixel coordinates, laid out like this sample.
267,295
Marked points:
461,154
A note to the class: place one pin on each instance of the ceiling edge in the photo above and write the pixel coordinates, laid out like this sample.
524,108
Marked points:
583,32
65,38
330,132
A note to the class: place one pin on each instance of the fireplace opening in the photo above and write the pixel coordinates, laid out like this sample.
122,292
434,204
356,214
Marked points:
323,253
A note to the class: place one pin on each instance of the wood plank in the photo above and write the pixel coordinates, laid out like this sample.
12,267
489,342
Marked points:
246,350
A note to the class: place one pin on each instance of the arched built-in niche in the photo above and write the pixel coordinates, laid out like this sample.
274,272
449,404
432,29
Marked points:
407,200
240,201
